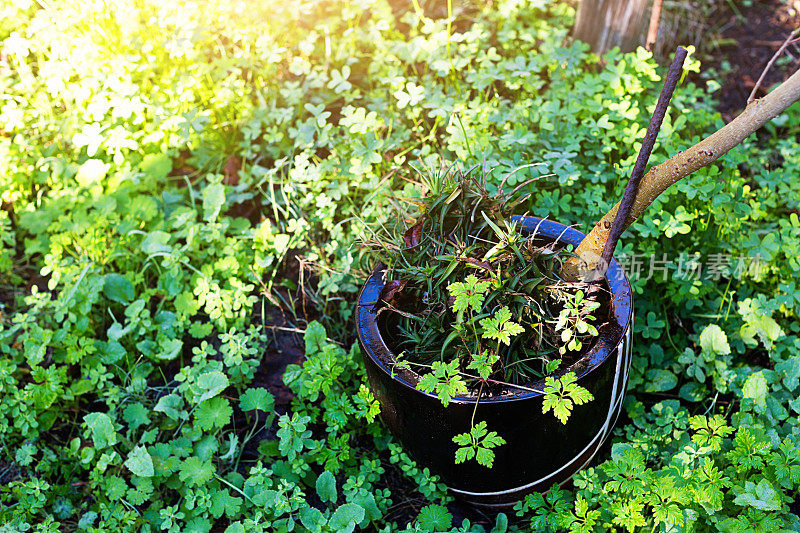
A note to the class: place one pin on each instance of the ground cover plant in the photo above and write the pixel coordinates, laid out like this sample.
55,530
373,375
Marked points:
173,178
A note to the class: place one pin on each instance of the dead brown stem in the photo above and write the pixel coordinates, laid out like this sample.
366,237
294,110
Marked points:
769,64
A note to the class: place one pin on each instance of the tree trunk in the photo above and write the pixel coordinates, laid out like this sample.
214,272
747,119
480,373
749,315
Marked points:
662,176
604,24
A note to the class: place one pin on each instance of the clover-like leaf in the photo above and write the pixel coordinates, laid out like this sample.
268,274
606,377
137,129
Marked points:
315,337
194,471
256,398
213,200
346,517
213,413
761,496
140,463
209,384
118,288
102,427
326,487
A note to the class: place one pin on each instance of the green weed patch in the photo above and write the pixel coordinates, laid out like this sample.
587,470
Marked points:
172,174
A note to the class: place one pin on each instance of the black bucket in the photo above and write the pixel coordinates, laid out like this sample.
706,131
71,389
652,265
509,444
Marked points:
539,449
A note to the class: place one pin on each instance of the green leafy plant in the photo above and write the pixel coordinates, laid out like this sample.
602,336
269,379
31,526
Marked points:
445,379
470,295
470,286
166,162
562,394
500,327
477,443
575,323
